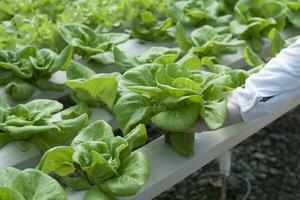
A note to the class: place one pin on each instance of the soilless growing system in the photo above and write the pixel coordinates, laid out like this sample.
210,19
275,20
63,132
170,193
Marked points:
100,99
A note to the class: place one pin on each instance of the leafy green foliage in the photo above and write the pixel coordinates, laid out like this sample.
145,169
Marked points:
6,41
183,143
254,20
195,12
38,31
87,42
103,162
277,42
146,26
75,111
28,67
293,12
35,23
90,89
104,14
33,122
206,41
29,184
161,86
174,97
161,55
94,90
251,58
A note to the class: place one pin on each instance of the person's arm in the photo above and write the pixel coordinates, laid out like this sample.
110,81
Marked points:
266,90
281,75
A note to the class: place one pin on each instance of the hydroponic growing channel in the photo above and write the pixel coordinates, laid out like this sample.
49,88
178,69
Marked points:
102,97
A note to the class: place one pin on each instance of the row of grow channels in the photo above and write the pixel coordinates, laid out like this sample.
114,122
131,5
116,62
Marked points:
180,90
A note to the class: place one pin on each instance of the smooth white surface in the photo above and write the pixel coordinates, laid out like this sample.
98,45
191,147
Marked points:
11,156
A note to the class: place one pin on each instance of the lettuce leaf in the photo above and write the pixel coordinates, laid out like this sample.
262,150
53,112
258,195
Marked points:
16,184
97,90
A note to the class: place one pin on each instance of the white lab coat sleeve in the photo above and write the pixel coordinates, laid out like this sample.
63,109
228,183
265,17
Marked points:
280,76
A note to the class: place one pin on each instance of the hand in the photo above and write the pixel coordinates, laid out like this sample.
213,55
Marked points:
233,114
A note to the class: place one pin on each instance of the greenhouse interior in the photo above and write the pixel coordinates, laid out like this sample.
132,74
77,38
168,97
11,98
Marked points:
149,99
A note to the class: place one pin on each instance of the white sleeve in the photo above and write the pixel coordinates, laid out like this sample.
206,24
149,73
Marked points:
280,75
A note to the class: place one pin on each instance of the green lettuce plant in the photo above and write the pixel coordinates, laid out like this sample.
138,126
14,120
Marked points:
99,162
146,26
38,31
254,20
105,14
35,122
194,12
28,9
29,184
35,22
27,67
174,97
88,43
206,41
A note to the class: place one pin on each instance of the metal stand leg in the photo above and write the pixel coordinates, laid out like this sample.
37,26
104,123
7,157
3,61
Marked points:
224,167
